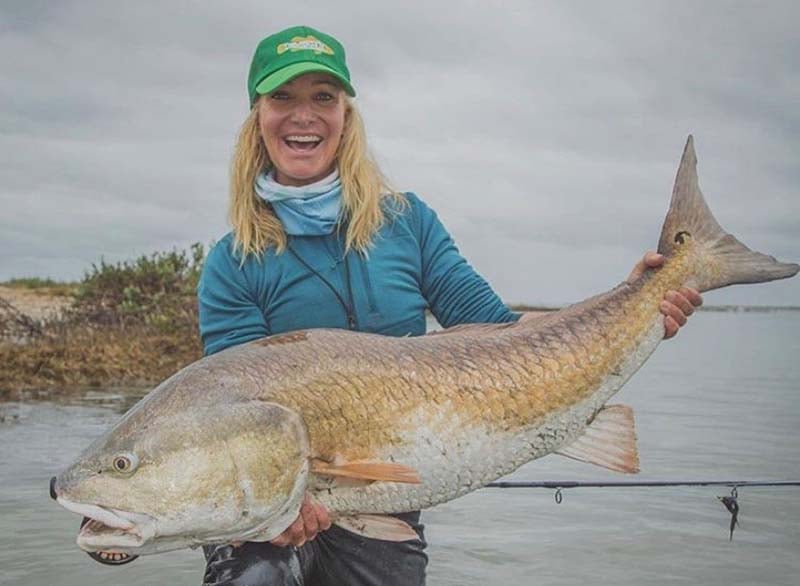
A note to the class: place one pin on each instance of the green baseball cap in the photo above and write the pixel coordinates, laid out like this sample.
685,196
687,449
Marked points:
297,50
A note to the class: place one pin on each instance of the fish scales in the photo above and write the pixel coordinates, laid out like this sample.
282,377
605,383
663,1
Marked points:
507,379
542,391
365,393
516,407
225,449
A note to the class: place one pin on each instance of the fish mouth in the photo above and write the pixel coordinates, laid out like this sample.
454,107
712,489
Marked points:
110,530
110,558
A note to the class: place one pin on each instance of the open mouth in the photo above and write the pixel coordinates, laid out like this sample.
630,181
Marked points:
303,143
109,557
108,535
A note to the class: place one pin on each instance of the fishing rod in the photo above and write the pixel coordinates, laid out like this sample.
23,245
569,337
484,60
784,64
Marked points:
731,502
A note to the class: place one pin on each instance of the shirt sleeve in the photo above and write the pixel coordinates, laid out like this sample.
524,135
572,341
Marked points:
456,294
228,310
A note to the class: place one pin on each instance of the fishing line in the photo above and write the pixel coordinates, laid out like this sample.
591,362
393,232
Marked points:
731,502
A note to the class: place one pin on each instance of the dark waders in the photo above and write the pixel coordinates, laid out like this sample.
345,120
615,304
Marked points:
335,558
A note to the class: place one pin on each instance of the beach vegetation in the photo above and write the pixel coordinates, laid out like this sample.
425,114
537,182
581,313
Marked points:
132,322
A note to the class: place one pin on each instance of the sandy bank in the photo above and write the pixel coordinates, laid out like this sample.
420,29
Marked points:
37,304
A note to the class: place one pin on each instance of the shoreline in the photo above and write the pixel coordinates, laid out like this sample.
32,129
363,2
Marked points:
42,303
37,304
45,352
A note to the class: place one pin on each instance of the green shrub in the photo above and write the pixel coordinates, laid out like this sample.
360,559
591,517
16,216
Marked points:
132,322
154,289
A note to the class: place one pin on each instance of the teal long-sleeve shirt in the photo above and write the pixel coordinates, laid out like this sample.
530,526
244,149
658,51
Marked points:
413,265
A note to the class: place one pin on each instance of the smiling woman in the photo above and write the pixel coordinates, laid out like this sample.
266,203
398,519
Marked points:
320,240
301,124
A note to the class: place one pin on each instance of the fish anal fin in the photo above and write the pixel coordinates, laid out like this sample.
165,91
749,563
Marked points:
609,441
367,470
383,527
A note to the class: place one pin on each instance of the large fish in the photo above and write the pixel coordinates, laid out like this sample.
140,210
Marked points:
225,449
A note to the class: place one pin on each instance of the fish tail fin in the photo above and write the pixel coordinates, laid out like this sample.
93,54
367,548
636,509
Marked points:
721,259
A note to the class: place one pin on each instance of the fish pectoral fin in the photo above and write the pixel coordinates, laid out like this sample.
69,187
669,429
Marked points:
383,527
609,441
367,470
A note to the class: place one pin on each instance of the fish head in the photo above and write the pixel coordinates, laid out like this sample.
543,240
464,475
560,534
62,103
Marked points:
208,474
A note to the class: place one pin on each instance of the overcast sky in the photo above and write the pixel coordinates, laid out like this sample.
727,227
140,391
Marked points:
545,134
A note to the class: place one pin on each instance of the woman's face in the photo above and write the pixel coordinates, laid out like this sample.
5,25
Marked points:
301,125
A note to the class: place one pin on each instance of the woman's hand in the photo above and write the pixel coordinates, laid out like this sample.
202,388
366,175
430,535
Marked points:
312,519
676,306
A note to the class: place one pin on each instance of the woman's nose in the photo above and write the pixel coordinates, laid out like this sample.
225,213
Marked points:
302,113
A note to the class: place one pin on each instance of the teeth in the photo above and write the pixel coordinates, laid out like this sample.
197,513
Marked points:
298,138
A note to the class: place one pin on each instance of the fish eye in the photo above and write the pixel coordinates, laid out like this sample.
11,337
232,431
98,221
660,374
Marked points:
125,463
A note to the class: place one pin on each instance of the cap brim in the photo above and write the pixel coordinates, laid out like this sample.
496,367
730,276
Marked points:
288,73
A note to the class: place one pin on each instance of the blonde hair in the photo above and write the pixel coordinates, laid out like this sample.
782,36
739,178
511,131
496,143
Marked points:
255,226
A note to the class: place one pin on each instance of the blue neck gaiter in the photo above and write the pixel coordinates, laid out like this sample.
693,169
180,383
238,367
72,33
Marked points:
309,210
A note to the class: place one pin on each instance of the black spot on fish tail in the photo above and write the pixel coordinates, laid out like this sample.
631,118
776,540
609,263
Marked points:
680,237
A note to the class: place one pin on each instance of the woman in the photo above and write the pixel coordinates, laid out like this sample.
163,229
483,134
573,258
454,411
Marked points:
320,240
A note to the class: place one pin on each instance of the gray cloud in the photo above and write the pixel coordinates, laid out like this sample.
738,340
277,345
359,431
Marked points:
546,135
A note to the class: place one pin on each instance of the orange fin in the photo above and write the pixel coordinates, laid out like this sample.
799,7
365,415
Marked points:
609,441
342,482
383,527
367,470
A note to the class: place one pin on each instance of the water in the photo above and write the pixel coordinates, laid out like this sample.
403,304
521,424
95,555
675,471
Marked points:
719,402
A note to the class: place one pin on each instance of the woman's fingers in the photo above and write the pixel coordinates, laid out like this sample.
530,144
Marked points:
294,535
309,515
671,327
650,260
323,517
693,295
677,305
673,311
680,302
312,519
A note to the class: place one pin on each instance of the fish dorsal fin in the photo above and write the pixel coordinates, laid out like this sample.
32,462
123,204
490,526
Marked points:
367,470
609,441
383,527
480,328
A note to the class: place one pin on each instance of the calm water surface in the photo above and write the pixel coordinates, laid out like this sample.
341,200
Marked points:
723,401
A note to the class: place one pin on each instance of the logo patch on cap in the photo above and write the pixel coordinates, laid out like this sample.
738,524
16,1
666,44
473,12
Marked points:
309,43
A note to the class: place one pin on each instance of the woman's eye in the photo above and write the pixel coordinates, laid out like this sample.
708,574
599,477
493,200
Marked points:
279,96
324,97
